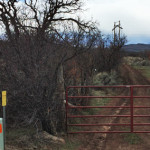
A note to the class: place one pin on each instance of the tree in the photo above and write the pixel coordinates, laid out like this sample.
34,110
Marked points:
38,16
108,55
41,36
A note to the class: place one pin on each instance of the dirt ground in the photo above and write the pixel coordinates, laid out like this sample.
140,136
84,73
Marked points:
122,141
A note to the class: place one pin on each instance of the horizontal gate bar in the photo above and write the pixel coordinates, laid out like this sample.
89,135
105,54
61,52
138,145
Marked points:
108,132
108,97
70,107
107,124
141,96
115,86
100,132
141,124
99,124
141,131
98,96
91,116
141,86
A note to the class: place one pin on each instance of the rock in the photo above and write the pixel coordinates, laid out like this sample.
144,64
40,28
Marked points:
50,138
69,104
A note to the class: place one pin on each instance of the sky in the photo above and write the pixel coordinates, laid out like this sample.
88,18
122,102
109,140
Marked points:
133,14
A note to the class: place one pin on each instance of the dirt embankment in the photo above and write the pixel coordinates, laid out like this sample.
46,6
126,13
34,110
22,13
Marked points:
122,141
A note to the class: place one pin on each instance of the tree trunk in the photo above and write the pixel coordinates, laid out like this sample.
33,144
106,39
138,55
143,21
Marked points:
60,97
54,120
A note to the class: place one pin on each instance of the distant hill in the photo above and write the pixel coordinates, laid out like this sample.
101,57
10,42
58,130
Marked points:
136,47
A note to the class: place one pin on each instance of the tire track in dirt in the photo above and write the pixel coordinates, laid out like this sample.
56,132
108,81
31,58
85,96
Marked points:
132,76
104,141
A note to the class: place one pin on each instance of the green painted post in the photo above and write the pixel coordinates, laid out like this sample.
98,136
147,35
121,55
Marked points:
1,135
4,126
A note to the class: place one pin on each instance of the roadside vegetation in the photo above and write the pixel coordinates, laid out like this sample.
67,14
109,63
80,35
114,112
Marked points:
45,49
42,51
140,63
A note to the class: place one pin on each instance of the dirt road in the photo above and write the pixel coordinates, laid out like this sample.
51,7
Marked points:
122,141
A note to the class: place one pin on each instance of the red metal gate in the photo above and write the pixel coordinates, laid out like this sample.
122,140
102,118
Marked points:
131,106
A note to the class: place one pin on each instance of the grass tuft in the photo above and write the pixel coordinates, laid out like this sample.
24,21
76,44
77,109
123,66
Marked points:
131,138
71,145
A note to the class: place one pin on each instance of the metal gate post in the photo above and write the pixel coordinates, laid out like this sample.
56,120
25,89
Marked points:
131,107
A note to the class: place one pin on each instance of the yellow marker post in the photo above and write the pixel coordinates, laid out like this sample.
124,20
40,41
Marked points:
3,98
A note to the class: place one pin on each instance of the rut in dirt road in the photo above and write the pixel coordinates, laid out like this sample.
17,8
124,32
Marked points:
130,76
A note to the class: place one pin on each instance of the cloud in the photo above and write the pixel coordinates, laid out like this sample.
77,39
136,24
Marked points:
133,14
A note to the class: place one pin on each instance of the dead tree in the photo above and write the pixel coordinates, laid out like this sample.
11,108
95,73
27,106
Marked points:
33,54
